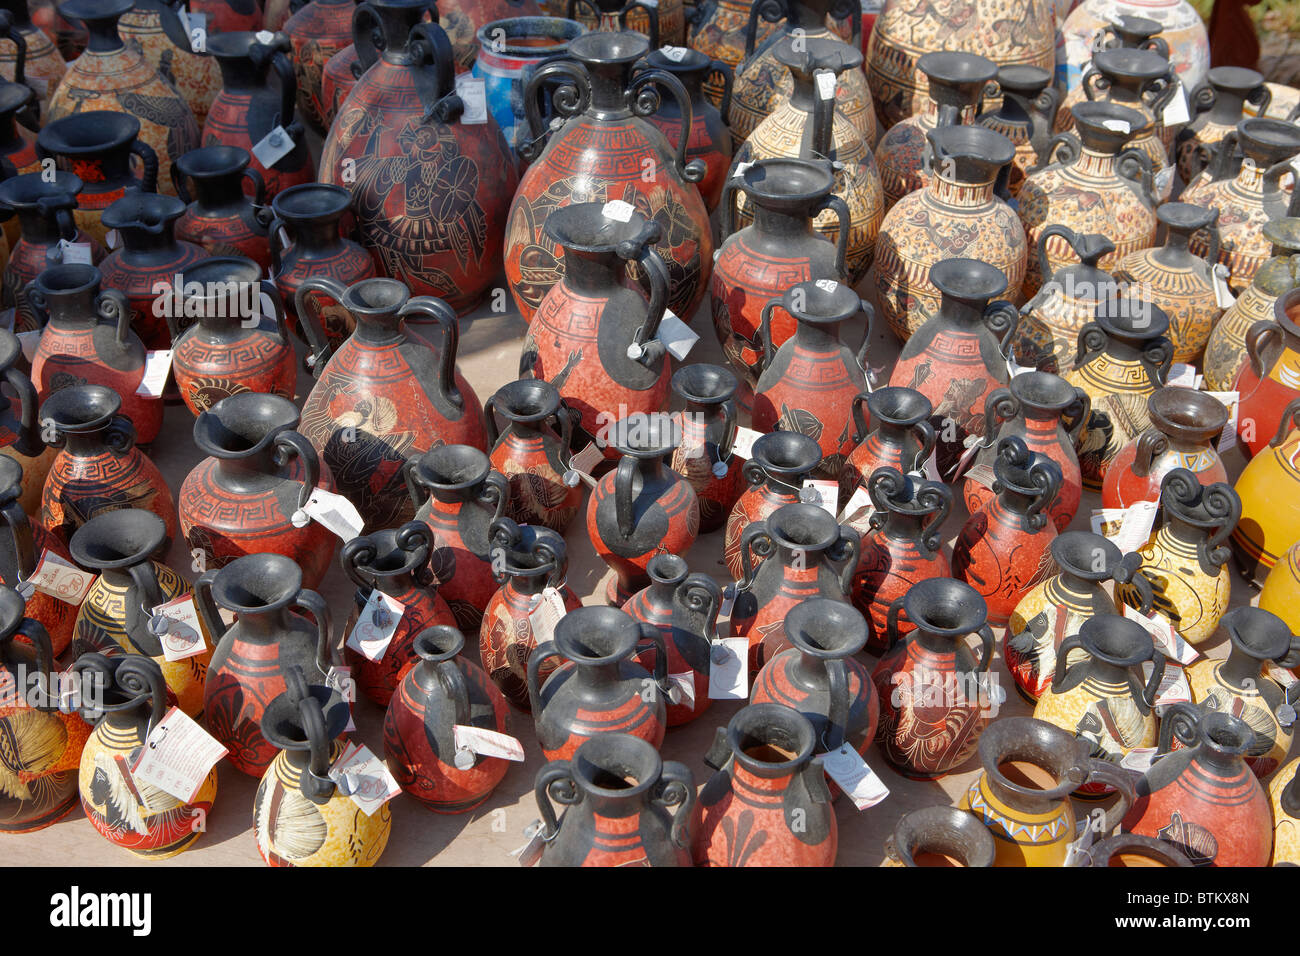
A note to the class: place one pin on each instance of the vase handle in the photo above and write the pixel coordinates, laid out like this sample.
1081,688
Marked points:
644,101
310,324
1083,402
845,552
544,790
1056,229
273,239
754,540
445,317
1290,419
861,413
28,440
728,79
149,181
1129,571
891,623
1256,341
843,220
837,684
290,444
773,11
1100,771
540,653
677,789
315,605
999,407
363,35
998,314
623,500
571,98
765,331
206,607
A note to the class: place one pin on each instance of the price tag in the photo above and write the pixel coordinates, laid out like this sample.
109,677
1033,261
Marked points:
580,466
859,510
1136,527
1116,125
30,341
285,242
60,579
678,337
157,366
675,53
1139,759
618,210
1107,521
684,688
339,678
1174,688
1228,437
1182,375
75,252
1167,641
473,92
1223,296
825,85
181,635
112,239
982,474
488,743
1163,180
362,776
1076,851
1281,675
858,781
531,851
931,468
827,285
273,147
376,624
1175,111
729,669
826,494
264,36
743,445
333,511
547,614
177,757
871,8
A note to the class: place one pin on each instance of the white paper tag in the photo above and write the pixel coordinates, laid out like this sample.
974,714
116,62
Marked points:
1163,180
273,147
675,53
531,851
264,36
981,474
931,467
112,240
684,688
1107,521
742,446
827,285
489,743
1175,111
25,590
1223,296
157,366
30,341
678,337
183,637
473,92
740,169
1228,437
61,579
824,493
1167,641
729,669
285,242
1281,675
1136,528
859,509
75,252
858,781
547,614
618,210
580,466
871,8
333,511
340,679
178,756
1182,375
1174,688
362,776
1116,125
1139,759
376,624
1076,851
826,85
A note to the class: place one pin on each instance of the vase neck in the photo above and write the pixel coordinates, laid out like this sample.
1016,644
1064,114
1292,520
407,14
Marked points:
592,273
951,192
1095,163
781,222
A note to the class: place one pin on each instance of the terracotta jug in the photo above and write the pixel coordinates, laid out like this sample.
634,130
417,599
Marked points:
150,255
812,557
939,837
1284,797
1217,106
439,693
98,468
1270,380
269,636
1269,520
457,494
1067,299
1242,686
642,507
316,31
1185,426
599,686
24,541
1203,798
43,65
708,424
808,127
766,779
900,436
398,563
429,191
809,383
708,138
1123,357
300,816
116,77
218,216
955,95
97,147
139,817
757,263
20,434
309,216
1002,550
1030,105
530,560
1186,559
156,28
532,452
900,545
598,155
258,474
250,108
781,462
1048,414
957,358
116,616
934,692
1095,160
820,676
594,337
1023,796
623,806
1225,352
386,394
684,607
1056,608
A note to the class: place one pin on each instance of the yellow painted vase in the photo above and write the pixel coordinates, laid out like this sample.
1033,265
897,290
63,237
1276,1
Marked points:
131,700
1269,489
1241,685
1217,106
299,816
1186,559
1023,796
1284,796
157,30
1047,337
115,616
1281,592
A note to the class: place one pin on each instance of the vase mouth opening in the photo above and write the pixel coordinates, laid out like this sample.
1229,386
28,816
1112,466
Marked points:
1185,217
532,37
376,297
528,399
239,43
1116,640
1106,126
95,131
703,383
90,10
282,723
1085,555
1187,413
609,49
667,569
616,765
29,189
213,161
69,279
1043,390
311,201
771,739
1258,632
243,424
969,280
788,181
806,54
584,227
825,628
684,62
257,583
438,643
1284,233
954,68
596,635
221,280
944,831
114,540
945,607
1273,140
977,152
1238,80
1031,758
645,435
1226,735
1131,318
81,409
1126,849
1138,29
789,454
1286,311
1131,63
803,527
146,212
1023,79
821,302
899,406
452,467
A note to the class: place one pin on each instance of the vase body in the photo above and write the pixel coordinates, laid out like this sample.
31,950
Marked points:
24,541
900,436
20,433
665,23
1047,337
269,636
1286,815
707,138
781,462
242,498
765,779
219,217
429,195
1268,524
1182,29
316,32
1270,380
708,424
1282,587
532,452
389,392
158,31
718,31
226,16
341,73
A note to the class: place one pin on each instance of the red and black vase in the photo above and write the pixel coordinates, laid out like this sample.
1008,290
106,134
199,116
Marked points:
781,462
707,137
708,429
22,542
532,452
900,436
219,216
